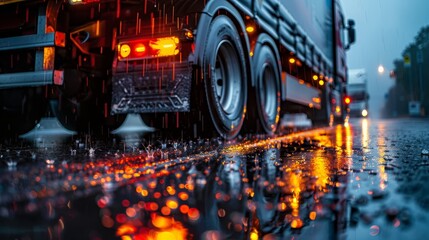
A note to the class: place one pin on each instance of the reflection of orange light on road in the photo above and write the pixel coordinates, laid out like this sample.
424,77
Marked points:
184,209
183,196
161,222
152,206
164,228
126,237
152,184
349,141
165,211
320,170
295,182
193,214
172,204
365,133
171,190
381,152
144,193
131,212
296,223
250,146
125,229
165,236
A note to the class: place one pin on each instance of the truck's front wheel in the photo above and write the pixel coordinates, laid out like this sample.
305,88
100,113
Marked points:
225,77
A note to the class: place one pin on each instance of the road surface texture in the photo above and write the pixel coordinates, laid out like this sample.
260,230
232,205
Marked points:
365,179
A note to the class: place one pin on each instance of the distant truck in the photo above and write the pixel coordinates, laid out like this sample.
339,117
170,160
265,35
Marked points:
358,96
209,66
414,109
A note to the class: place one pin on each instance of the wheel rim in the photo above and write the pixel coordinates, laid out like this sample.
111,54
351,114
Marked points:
227,81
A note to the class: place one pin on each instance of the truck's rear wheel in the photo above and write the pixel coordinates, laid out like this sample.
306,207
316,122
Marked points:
225,77
266,91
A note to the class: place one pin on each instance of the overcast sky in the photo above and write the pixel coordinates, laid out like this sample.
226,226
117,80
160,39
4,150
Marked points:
384,28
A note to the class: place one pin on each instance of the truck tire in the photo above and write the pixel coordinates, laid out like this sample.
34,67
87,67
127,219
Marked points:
225,77
266,92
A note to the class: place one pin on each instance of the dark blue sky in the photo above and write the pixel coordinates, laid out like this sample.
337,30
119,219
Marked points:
383,29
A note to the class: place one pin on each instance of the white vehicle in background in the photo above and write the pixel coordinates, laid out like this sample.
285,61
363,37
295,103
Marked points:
414,109
357,93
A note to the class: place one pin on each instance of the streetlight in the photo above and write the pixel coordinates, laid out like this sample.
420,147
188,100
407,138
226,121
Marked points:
380,69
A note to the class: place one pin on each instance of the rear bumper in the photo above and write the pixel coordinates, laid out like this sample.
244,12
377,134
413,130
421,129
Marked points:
26,79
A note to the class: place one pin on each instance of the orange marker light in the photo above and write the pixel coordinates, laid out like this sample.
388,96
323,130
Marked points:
315,77
125,50
292,60
165,46
189,35
250,29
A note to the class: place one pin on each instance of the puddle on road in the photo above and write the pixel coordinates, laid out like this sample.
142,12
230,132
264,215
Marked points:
330,183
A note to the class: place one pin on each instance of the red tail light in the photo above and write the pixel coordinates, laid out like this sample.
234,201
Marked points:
347,100
148,48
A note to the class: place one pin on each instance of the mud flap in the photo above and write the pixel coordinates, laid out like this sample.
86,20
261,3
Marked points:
153,92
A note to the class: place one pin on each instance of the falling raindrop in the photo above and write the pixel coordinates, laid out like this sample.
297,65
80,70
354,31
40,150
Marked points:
374,230
11,165
91,152
49,161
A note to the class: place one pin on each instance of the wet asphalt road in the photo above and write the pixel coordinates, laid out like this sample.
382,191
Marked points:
363,180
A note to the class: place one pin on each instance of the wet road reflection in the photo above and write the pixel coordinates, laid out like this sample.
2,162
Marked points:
356,181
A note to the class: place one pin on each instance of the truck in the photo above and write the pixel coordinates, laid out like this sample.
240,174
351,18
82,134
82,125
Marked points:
358,96
213,67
